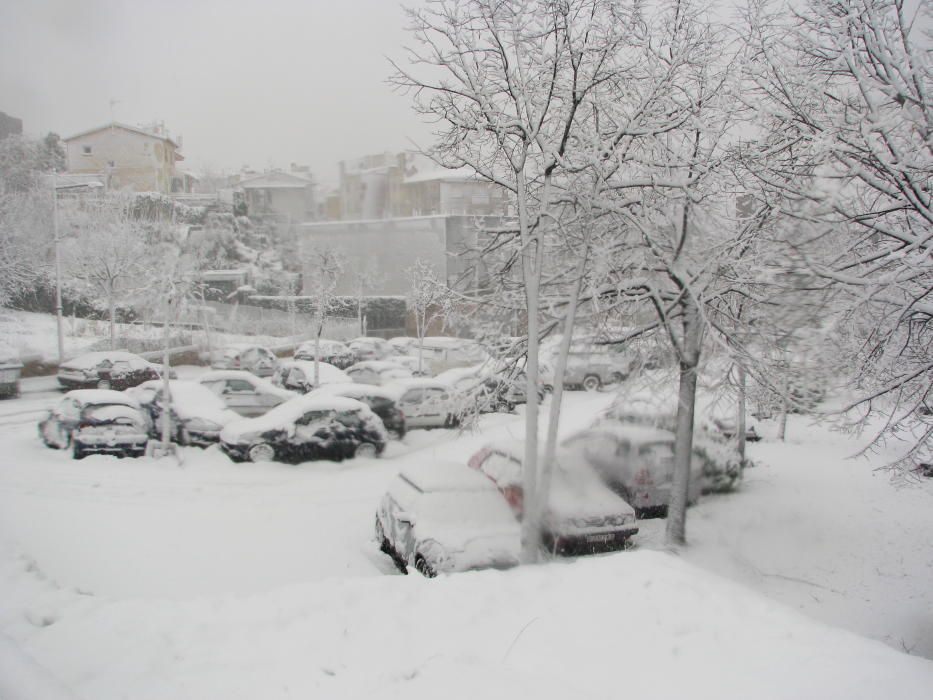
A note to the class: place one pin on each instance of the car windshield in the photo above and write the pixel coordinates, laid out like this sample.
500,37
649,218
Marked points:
110,413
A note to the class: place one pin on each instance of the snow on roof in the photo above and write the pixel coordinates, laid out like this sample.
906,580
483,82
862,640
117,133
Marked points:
327,373
260,383
92,359
633,433
101,396
354,390
376,365
286,413
460,175
445,476
274,180
192,399
124,127
400,385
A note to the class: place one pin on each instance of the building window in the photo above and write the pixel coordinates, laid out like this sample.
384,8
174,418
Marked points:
87,150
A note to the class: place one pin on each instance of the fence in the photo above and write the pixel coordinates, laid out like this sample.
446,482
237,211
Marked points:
256,320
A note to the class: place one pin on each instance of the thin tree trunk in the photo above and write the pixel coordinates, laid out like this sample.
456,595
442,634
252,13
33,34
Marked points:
166,370
531,527
547,463
740,422
782,426
112,310
676,533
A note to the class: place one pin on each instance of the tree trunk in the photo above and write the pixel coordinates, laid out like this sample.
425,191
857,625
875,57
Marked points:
740,418
676,533
531,527
112,310
547,463
782,426
166,365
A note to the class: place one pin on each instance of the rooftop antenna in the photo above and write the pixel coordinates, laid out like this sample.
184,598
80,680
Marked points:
112,103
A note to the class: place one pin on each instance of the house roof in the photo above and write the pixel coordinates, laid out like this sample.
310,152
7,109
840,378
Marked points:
125,127
274,179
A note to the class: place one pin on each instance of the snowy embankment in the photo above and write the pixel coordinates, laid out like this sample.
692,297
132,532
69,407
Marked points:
34,335
137,578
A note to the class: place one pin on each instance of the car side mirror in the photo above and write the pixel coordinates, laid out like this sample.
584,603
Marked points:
404,516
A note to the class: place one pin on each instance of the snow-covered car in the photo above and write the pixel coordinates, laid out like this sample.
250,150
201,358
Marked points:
244,392
637,462
307,428
298,375
443,517
411,363
426,403
333,352
257,359
366,348
108,369
582,515
484,389
383,403
197,414
378,372
10,369
92,421
589,364
404,345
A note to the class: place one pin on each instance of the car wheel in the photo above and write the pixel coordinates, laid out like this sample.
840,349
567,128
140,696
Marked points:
365,450
396,434
77,452
262,452
424,568
591,382
617,378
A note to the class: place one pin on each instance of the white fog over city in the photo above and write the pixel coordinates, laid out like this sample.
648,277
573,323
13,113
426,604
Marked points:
466,348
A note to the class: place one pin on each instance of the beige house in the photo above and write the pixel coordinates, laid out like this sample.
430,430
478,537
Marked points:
128,157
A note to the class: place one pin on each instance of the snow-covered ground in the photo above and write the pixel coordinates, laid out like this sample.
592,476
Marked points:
145,579
35,335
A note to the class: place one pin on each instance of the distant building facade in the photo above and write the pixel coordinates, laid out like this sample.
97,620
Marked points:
129,157
10,126
394,185
278,193
391,246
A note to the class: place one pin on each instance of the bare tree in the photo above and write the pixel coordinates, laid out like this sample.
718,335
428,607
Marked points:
428,301
106,251
844,94
323,267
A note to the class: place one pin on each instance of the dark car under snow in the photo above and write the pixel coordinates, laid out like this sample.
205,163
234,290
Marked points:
96,421
307,428
110,369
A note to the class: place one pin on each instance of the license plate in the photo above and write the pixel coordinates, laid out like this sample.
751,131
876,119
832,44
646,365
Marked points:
608,537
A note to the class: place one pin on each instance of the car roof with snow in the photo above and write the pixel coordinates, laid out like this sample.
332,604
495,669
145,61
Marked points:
259,382
633,433
91,360
240,347
400,386
293,409
326,371
377,365
324,343
372,340
101,396
191,399
445,476
354,390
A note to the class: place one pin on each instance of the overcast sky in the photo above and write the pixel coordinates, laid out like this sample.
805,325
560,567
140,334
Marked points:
243,81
